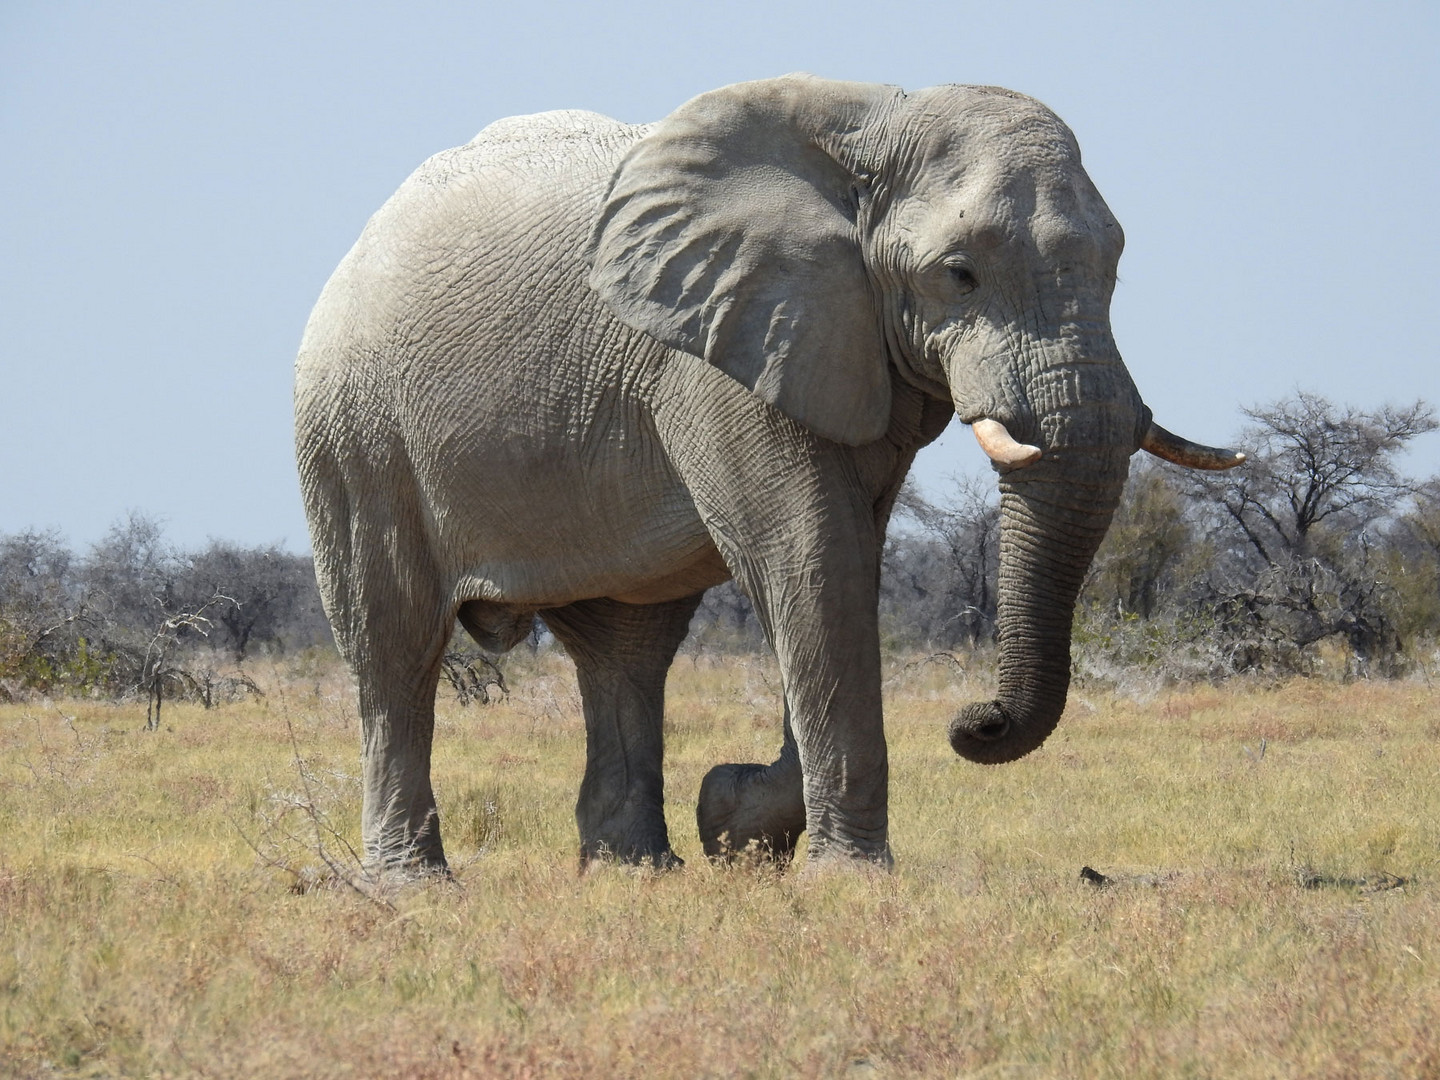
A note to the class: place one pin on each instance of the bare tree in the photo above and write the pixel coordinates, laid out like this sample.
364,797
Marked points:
1309,519
129,571
40,614
1311,463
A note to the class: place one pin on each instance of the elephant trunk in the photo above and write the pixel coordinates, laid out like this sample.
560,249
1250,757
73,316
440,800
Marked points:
1053,516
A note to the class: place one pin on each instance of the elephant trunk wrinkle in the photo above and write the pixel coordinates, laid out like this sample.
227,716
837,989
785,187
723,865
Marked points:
1046,547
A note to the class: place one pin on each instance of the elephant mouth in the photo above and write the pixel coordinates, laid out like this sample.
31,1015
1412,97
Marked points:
1005,450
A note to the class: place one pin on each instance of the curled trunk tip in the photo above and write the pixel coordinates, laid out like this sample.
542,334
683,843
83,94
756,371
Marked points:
984,733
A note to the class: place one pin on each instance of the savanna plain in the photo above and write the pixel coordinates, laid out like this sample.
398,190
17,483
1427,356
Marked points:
182,902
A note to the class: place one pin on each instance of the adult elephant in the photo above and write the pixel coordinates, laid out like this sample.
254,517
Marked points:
589,369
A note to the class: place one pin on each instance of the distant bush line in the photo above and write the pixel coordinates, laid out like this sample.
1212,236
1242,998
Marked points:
135,616
1318,555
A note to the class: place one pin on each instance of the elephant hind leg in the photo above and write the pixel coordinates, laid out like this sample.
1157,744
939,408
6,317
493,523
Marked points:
392,621
396,663
622,653
759,808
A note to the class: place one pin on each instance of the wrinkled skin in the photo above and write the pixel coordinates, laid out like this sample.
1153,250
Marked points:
589,370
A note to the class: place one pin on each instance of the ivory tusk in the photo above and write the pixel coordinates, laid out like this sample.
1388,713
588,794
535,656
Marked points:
1000,446
1171,447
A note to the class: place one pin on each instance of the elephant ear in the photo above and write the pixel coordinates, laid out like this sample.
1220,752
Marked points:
731,232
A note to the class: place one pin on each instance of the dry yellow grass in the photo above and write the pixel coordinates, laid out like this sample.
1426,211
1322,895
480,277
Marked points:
142,937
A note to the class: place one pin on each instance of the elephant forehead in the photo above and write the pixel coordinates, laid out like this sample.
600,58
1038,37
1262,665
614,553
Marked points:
991,157
954,127
995,205
1055,214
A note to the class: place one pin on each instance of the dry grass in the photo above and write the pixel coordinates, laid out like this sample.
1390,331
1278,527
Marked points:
1249,929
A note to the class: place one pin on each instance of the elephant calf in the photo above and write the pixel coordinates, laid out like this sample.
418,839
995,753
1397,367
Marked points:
589,369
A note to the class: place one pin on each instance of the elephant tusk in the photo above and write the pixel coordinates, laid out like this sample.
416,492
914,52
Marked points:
1171,447
1000,446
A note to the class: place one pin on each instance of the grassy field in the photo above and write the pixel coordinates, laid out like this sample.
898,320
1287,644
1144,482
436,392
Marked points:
166,910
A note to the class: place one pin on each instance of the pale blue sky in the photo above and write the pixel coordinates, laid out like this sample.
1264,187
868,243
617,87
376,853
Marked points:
177,180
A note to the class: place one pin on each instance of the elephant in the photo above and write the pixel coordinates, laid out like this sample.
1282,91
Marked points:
587,370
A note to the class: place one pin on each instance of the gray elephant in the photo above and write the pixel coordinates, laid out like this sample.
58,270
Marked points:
589,369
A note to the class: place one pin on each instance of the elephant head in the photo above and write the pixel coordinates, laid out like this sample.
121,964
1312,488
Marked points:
811,238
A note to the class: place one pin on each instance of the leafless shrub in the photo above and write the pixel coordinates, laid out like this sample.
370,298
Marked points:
296,833
1274,619
159,669
471,675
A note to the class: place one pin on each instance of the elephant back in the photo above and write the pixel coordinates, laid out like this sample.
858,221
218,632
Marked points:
445,247
544,142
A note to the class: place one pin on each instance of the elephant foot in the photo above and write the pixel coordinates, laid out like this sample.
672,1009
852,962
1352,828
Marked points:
406,865
630,836
649,858
754,809
384,877
402,852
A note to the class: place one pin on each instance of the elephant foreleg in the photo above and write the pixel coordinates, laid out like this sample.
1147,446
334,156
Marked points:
796,527
754,807
622,653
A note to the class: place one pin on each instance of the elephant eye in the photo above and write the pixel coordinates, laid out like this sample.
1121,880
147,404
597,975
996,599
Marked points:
963,277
